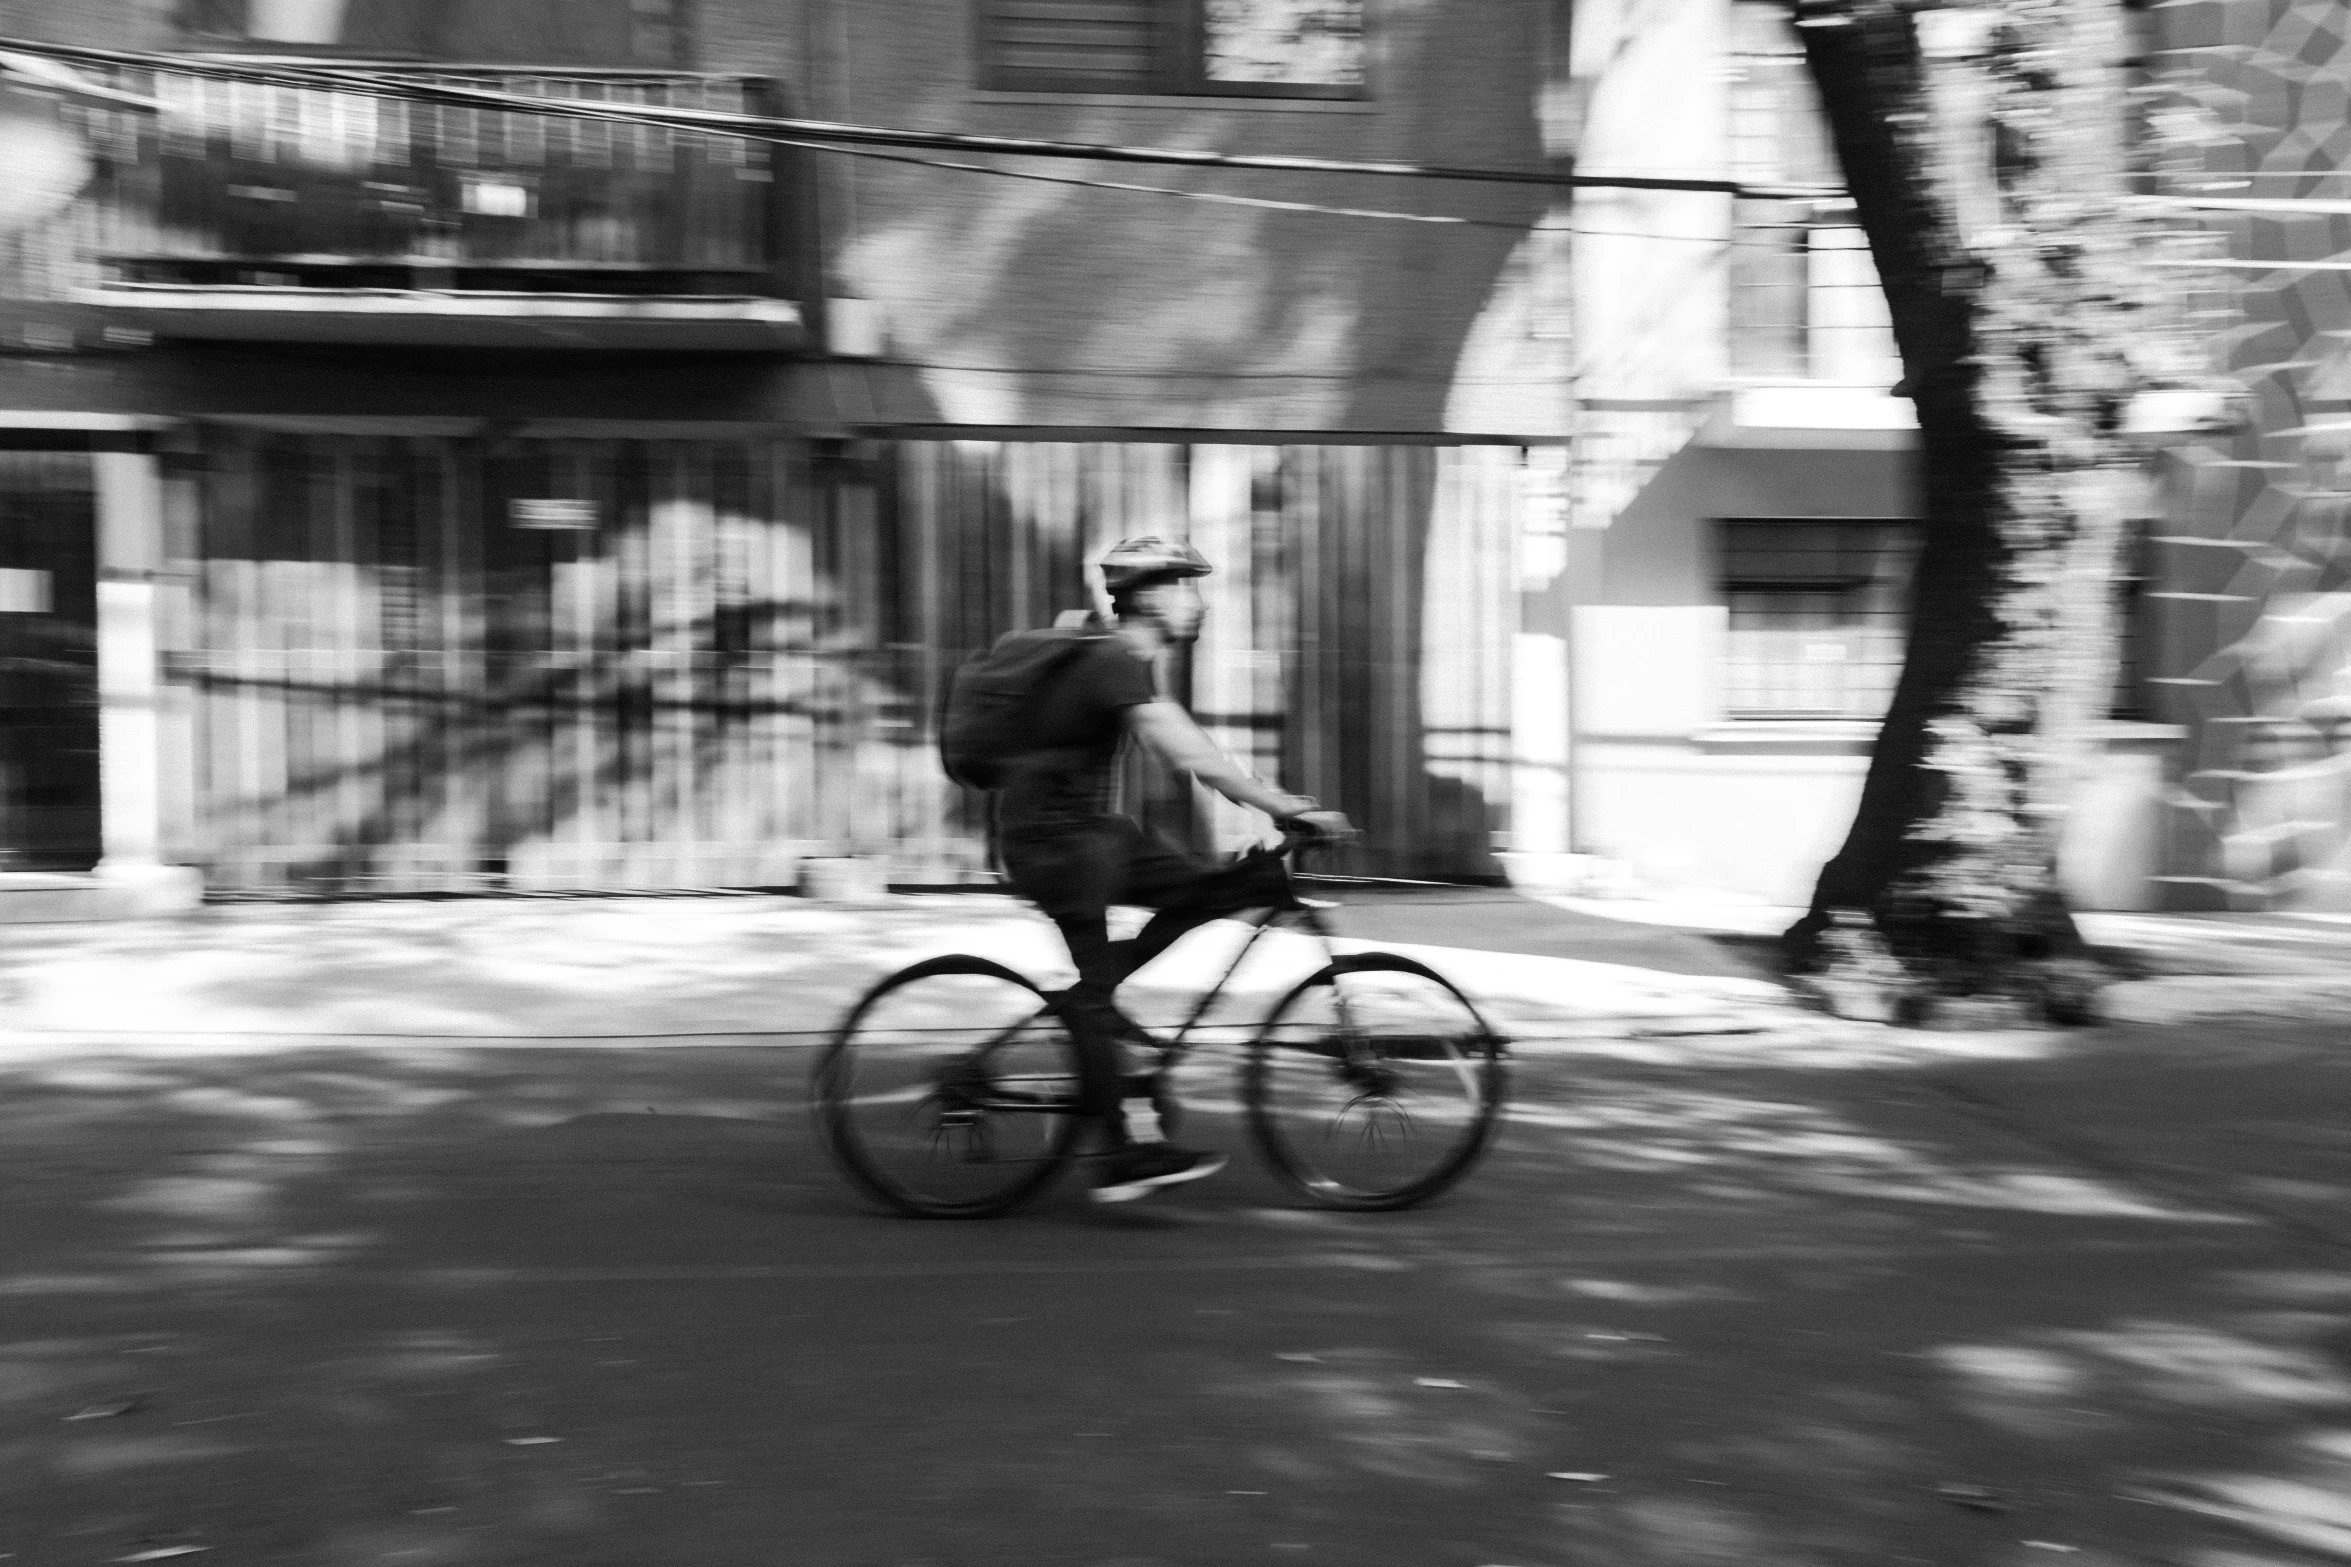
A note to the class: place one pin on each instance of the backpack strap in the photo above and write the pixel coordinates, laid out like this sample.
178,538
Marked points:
1063,658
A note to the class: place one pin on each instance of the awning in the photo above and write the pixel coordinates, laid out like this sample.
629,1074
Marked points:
428,318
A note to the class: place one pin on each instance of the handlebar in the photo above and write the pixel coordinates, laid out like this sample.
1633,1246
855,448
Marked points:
1297,839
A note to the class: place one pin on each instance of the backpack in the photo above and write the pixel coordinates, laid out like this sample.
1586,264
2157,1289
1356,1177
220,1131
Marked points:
990,696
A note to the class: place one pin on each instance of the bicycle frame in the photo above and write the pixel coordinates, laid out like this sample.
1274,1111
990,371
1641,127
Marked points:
1176,1046
1309,919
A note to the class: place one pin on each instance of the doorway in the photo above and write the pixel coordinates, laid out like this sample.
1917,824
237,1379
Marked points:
48,662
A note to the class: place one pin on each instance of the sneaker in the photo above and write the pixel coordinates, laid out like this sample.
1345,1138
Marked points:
1143,1169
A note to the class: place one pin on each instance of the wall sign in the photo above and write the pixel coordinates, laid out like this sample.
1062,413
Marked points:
492,197
23,591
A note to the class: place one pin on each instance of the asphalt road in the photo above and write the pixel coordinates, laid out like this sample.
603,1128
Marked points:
326,1304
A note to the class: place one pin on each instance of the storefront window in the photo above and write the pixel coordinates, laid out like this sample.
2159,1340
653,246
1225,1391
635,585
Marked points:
524,32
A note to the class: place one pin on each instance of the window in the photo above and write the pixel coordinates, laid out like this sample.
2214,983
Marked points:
1818,613
1809,307
1807,301
2131,672
1234,48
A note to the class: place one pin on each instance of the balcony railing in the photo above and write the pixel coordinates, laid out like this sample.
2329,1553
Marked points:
1805,301
249,186
1806,304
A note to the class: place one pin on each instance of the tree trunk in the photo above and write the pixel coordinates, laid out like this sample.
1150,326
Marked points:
1990,180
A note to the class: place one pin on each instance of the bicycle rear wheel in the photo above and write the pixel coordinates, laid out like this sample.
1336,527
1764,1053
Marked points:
1374,1085
950,1090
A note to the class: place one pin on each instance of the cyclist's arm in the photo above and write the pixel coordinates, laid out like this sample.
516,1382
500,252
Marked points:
1170,733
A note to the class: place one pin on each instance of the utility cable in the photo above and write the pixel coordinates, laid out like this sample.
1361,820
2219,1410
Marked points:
1515,226
2237,265
1220,198
2328,206
614,112
375,82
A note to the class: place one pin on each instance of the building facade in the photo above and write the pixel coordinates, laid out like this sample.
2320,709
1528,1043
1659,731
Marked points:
2249,553
408,490
1742,504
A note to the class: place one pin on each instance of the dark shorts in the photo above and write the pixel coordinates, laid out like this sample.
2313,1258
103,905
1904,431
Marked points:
1078,869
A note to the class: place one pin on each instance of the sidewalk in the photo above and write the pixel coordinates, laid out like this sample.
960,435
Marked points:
704,968
2184,967
699,969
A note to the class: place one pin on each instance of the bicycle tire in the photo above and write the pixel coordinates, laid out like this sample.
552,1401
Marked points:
931,1156
1297,1066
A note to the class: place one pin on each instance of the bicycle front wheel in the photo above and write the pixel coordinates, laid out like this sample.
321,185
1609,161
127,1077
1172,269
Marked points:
1374,1085
950,1092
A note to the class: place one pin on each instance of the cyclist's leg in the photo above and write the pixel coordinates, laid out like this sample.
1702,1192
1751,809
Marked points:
1185,892
1071,874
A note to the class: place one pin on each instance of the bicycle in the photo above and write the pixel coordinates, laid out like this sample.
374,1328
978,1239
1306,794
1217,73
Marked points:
950,1089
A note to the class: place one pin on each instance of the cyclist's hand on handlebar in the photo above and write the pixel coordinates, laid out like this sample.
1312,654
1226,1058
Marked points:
1327,826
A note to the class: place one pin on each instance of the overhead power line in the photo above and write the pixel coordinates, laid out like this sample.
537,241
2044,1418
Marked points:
2330,206
2237,264
1514,226
377,82
1220,198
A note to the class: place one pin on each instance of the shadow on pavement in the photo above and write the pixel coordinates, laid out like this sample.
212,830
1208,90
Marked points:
1496,919
335,1304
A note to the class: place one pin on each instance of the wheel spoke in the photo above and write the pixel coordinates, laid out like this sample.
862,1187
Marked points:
1374,1085
948,1092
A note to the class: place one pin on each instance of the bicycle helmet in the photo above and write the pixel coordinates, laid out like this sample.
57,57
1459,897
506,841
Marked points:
1133,562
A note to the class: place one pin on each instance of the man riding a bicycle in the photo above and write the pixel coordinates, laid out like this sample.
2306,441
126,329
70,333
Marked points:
1067,849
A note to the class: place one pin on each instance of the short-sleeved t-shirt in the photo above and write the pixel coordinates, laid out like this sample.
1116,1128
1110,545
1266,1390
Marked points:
1074,726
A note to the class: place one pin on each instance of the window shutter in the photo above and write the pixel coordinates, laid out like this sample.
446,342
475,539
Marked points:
1073,45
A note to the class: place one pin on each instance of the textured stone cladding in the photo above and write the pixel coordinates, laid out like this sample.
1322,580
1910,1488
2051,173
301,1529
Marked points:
2249,601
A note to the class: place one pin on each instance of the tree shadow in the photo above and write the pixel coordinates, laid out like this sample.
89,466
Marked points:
1732,1313
486,971
523,732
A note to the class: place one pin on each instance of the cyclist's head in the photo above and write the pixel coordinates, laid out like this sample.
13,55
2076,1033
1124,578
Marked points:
1149,579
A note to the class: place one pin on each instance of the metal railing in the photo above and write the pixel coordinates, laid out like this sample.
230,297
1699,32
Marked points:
1806,304
249,183
1805,301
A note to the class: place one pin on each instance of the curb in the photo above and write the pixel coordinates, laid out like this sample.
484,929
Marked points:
771,970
